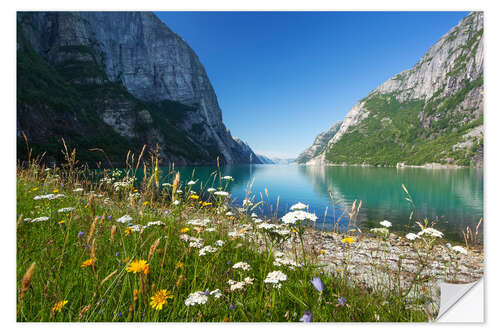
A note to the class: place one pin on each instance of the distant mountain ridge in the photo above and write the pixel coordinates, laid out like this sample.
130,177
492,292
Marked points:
319,143
116,81
431,114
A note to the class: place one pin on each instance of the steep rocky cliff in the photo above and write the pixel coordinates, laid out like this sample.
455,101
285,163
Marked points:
319,143
117,80
431,113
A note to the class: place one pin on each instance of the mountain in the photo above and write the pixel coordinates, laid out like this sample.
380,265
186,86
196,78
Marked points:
431,113
265,159
319,143
116,81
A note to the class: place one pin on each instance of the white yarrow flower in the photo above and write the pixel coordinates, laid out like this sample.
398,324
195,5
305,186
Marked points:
192,182
242,265
219,243
298,206
195,298
206,249
411,236
211,189
431,232
40,219
65,210
459,249
221,193
275,278
228,178
386,224
124,219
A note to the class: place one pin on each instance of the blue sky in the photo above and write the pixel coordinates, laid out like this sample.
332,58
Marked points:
283,77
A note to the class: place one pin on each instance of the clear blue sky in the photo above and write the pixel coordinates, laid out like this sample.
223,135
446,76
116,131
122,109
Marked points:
283,77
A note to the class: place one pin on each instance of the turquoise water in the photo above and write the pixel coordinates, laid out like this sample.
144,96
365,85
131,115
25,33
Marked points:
453,197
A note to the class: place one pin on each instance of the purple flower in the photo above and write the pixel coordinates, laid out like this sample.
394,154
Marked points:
80,234
99,217
207,292
228,263
120,314
167,212
318,284
307,317
341,301
232,306
109,218
117,254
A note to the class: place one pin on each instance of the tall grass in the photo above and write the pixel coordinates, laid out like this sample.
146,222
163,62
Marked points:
84,254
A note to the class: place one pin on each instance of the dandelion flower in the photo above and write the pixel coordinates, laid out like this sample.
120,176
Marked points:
348,240
88,262
58,306
179,265
160,298
138,266
194,196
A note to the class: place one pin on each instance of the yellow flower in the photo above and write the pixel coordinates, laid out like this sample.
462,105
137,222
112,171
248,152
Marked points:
36,188
206,204
135,190
62,222
179,265
128,231
58,306
322,251
55,190
294,230
145,203
160,298
136,294
138,266
194,196
88,262
184,230
348,240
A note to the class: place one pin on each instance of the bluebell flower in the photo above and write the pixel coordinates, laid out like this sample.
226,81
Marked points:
318,284
80,234
341,301
120,314
117,254
99,216
232,306
167,211
207,292
307,317
109,218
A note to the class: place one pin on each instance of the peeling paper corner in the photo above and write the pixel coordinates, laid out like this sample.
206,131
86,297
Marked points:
451,299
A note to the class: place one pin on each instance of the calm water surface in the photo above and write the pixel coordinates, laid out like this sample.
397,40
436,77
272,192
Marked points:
452,196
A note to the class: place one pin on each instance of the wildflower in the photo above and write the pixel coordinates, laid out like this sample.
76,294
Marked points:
221,193
80,234
65,210
248,280
124,219
341,301
243,265
58,306
322,251
128,231
79,189
194,196
55,190
199,222
307,317
198,297
253,215
176,202
228,178
204,204
62,222
184,230
318,284
211,190
36,188
348,240
153,223
298,216
229,214
411,236
274,278
298,206
138,266
40,219
431,232
386,224
191,182
197,244
459,249
219,243
236,285
206,249
384,232
145,203
117,254
160,298
232,306
246,202
179,265
88,262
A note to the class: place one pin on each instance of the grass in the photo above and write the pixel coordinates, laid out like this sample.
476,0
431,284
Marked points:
50,255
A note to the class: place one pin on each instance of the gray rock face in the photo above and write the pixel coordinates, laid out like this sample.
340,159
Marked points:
151,61
319,143
443,72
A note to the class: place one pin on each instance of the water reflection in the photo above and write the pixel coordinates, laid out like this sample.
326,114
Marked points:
453,196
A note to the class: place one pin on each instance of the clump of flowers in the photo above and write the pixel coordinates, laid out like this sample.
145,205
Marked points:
242,265
65,210
124,219
386,224
195,298
58,306
138,266
275,278
431,232
206,249
348,240
382,232
411,236
88,262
